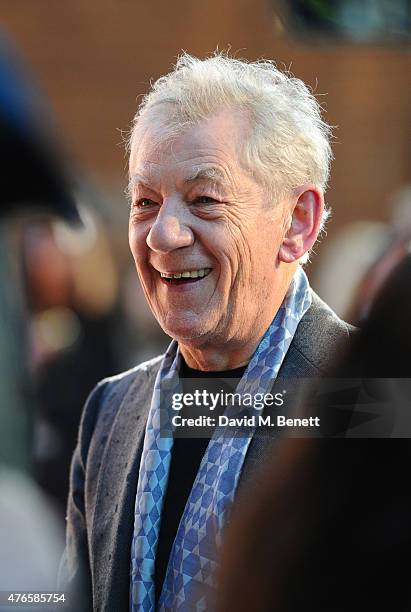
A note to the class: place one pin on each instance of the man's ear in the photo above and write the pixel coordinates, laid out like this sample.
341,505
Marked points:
307,208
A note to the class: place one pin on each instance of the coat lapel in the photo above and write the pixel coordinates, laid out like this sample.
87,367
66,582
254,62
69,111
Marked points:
114,518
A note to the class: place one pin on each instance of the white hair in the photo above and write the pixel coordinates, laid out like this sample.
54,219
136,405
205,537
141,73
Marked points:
289,144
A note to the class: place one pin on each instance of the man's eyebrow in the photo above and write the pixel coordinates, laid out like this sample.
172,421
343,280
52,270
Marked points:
135,179
210,173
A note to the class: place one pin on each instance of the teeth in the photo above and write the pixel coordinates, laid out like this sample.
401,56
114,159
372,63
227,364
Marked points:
193,274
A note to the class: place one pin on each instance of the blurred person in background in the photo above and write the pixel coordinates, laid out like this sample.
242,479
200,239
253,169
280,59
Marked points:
228,164
329,528
358,260
71,305
55,330
397,246
30,535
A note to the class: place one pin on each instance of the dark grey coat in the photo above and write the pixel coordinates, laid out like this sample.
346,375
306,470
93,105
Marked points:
106,462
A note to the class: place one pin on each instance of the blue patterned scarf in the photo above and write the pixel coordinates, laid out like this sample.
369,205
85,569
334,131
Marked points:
190,578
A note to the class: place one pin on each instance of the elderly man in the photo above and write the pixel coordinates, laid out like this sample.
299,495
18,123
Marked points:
228,164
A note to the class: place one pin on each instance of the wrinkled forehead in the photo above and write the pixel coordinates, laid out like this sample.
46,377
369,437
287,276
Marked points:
162,133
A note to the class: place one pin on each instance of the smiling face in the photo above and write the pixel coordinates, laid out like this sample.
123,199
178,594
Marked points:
205,239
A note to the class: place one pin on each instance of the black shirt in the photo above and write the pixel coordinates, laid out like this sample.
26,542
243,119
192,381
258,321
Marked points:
186,457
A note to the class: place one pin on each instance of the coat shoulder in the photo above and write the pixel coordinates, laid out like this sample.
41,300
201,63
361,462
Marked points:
320,338
139,374
108,395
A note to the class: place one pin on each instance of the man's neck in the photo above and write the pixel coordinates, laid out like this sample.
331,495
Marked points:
214,359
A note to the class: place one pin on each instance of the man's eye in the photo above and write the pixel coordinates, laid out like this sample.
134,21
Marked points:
204,200
144,203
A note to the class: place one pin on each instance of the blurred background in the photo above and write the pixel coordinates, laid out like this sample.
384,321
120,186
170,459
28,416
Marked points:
71,75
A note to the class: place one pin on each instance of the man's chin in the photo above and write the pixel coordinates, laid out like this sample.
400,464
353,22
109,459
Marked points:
187,332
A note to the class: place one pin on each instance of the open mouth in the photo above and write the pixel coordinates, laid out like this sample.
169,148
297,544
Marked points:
182,278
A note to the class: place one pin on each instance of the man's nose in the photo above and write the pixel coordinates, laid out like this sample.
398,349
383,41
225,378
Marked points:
169,232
